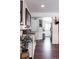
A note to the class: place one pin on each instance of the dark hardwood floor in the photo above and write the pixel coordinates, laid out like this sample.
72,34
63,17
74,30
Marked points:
46,50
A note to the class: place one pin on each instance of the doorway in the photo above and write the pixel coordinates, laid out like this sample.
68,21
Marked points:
47,22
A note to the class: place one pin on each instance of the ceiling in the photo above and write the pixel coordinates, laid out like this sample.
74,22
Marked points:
50,5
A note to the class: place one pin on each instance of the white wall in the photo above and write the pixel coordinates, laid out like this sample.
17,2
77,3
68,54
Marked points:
35,27
55,33
34,24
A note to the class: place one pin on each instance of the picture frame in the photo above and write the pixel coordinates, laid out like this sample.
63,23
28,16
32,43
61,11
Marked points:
21,10
27,18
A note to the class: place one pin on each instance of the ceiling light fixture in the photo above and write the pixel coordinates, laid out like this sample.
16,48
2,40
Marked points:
42,6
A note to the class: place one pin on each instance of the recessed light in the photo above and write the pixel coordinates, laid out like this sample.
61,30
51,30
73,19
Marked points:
42,6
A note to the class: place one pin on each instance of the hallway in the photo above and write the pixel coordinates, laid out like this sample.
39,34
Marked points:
45,50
